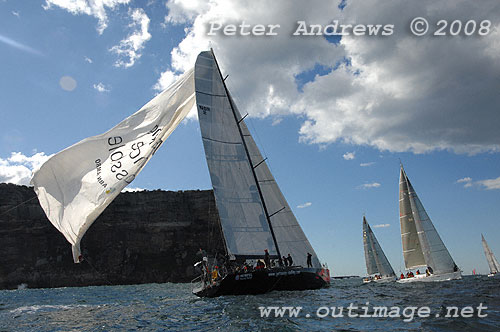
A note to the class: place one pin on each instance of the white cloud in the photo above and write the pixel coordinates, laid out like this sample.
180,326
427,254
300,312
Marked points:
396,93
370,185
18,168
490,184
367,164
166,78
15,13
276,121
101,87
381,225
87,59
349,155
467,181
183,11
305,205
129,49
97,9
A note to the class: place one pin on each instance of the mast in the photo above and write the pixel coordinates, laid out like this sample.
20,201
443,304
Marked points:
249,158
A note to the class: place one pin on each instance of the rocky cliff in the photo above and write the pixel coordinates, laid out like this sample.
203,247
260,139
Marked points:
142,237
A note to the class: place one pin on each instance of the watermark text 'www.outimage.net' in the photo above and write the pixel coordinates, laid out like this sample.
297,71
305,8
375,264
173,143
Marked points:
408,313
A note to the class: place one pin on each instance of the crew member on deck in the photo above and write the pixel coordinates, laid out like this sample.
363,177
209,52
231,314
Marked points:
285,261
309,261
290,260
201,253
215,274
267,259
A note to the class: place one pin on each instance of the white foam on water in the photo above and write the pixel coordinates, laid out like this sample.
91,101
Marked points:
45,307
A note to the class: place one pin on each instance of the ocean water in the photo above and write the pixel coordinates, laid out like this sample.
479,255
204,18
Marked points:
172,307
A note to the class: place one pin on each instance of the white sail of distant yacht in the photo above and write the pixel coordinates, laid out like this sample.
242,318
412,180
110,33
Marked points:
422,245
376,261
492,261
75,185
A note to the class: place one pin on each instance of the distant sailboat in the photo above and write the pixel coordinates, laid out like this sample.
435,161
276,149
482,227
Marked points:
492,261
422,245
254,214
377,266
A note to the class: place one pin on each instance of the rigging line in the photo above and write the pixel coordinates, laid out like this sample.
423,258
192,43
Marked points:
258,142
250,123
277,212
243,118
259,163
26,201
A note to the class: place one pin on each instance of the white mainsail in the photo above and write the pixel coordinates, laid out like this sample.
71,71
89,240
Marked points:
412,251
492,261
435,253
246,193
75,185
376,261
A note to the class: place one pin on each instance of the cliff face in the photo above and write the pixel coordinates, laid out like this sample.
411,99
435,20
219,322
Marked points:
142,237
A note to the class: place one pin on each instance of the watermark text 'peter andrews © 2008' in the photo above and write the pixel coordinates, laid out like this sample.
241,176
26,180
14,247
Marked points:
367,311
418,27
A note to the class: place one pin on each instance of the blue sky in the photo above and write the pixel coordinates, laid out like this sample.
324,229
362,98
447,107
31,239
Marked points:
333,118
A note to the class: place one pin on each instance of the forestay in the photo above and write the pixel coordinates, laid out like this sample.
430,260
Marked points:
75,185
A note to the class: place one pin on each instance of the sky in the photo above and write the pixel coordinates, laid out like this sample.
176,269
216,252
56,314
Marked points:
334,115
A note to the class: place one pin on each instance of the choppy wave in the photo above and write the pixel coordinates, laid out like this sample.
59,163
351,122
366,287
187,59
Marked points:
171,307
47,307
